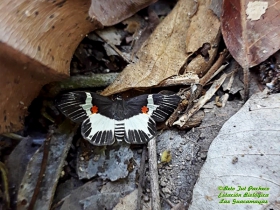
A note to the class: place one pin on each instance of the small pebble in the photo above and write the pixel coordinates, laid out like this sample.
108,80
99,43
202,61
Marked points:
146,199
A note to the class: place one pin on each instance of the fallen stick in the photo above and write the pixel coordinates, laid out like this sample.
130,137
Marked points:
215,69
154,174
141,178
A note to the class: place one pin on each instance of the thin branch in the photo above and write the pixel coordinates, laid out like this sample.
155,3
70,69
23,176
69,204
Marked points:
13,136
141,177
215,69
154,174
43,168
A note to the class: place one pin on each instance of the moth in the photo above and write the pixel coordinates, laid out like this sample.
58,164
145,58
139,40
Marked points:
105,120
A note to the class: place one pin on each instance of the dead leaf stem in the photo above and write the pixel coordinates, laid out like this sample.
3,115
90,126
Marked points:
246,75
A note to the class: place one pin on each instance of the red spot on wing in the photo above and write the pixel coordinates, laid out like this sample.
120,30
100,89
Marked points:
144,110
94,109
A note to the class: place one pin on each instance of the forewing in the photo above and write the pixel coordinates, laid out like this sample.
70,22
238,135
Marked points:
98,130
77,105
160,106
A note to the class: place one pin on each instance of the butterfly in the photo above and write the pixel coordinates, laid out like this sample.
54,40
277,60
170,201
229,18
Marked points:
105,120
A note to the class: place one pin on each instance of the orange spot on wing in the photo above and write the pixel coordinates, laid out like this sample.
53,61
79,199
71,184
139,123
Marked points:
144,110
94,109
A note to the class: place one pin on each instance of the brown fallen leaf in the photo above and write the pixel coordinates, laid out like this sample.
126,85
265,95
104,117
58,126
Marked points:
165,53
251,30
161,56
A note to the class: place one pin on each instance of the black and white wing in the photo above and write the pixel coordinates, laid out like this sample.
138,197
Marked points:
162,106
87,107
159,106
142,113
75,105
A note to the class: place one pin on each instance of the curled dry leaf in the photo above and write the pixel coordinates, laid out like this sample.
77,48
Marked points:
165,52
251,30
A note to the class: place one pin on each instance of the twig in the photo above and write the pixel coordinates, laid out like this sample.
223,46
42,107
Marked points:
154,174
78,82
246,74
43,168
213,70
186,79
141,177
60,202
13,136
181,107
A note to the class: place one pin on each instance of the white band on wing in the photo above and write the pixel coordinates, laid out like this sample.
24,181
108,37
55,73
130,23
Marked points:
151,106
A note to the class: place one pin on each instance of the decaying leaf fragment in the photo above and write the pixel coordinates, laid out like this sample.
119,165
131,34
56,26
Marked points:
164,53
256,9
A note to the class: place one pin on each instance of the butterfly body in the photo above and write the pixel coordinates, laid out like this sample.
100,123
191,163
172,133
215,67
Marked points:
104,120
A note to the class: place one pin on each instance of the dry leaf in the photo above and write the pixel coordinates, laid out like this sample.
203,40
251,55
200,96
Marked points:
204,30
164,53
245,153
251,30
161,56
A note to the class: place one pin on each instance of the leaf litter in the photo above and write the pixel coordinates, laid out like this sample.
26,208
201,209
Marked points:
184,43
